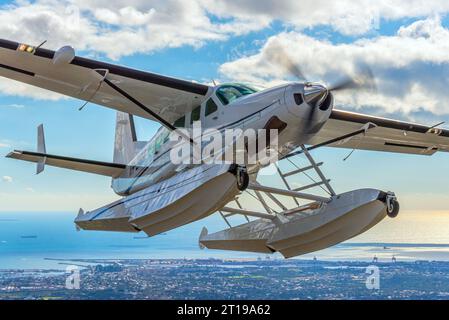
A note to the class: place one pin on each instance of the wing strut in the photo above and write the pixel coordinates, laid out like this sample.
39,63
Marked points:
348,136
146,109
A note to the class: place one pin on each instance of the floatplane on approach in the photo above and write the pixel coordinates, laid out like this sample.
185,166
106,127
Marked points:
281,213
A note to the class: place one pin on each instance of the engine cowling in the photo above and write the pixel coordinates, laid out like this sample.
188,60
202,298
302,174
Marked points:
312,102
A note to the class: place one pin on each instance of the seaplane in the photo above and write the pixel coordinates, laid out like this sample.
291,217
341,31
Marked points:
294,210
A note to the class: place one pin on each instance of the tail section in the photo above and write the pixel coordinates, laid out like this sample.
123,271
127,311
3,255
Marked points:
126,145
125,149
41,148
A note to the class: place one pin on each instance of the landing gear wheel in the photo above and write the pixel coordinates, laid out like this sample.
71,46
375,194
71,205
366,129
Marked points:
392,207
242,178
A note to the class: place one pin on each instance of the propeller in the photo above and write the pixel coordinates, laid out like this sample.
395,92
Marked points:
315,94
278,56
363,78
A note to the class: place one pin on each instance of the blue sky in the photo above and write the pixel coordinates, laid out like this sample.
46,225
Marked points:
421,182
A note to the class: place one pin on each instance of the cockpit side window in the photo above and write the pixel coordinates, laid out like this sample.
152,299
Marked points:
230,93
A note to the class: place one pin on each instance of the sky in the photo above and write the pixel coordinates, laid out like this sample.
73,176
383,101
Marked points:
406,44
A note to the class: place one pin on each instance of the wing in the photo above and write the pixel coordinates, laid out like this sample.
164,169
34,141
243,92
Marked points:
88,80
388,135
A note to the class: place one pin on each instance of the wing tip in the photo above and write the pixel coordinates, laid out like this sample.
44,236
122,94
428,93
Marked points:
14,154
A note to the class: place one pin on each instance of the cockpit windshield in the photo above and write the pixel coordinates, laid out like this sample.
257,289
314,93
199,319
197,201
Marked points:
228,93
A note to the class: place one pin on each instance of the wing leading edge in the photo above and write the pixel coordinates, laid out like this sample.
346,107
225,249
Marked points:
84,78
387,135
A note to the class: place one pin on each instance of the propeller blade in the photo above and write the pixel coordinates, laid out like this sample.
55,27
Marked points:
363,80
343,84
278,56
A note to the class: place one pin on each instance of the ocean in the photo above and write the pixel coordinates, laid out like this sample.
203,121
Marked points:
31,240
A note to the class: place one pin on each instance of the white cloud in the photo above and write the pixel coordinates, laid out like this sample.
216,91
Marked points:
7,143
116,28
54,201
410,67
15,88
126,16
13,105
29,189
111,28
7,179
125,27
346,16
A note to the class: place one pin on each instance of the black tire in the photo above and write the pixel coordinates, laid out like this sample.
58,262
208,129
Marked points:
242,179
395,210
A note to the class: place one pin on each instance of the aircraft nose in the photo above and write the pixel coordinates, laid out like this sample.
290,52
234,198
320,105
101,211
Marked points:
314,94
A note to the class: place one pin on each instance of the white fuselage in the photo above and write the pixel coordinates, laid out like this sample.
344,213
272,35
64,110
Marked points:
253,111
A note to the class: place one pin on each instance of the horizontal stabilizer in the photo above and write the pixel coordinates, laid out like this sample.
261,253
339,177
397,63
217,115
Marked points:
97,167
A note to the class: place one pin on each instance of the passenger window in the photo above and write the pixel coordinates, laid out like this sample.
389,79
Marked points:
165,137
211,107
180,123
195,116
